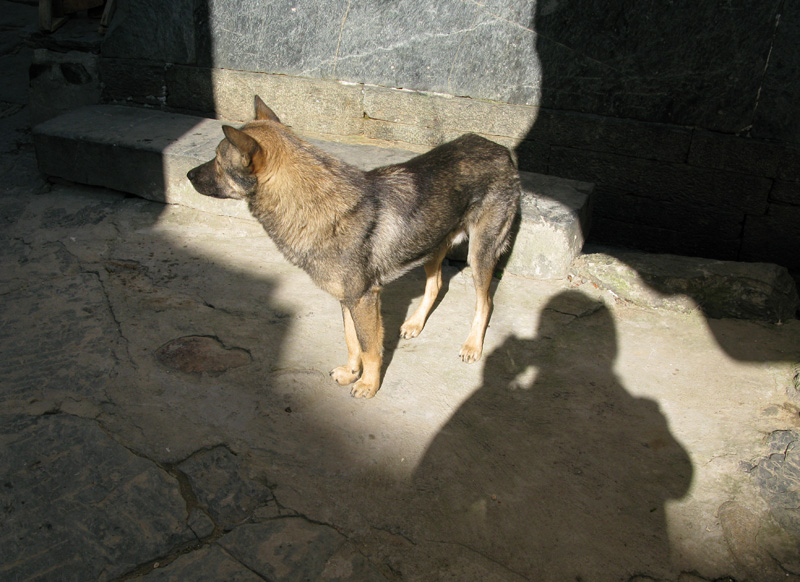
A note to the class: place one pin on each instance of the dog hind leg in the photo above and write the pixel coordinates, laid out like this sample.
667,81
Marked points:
433,284
487,241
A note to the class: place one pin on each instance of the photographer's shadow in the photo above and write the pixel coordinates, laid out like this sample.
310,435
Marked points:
552,468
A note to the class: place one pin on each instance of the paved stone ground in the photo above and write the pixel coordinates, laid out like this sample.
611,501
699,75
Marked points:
166,414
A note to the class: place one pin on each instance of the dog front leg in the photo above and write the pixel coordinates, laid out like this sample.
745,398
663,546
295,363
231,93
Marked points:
369,330
349,373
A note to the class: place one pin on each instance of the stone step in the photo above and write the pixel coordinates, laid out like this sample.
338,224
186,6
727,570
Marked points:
148,152
720,289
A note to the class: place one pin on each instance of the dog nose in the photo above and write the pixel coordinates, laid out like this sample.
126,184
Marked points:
191,174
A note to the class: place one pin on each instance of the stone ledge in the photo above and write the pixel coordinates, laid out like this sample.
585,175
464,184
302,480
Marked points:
148,152
721,289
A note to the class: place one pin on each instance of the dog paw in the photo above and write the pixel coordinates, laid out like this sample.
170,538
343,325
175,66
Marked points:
363,389
470,353
344,375
410,329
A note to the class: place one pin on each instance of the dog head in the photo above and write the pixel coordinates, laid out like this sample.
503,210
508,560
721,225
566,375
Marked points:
233,173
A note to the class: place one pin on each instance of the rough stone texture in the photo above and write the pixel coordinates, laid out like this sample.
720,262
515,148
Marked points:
74,495
779,478
154,31
290,549
97,145
62,81
208,563
776,116
727,152
654,141
222,487
666,183
556,215
78,321
720,289
774,236
788,192
132,81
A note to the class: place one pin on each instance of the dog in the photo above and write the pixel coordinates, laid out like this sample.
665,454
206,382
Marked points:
354,231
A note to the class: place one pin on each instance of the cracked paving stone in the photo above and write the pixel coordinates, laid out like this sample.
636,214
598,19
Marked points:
192,354
289,549
222,488
58,336
208,563
79,506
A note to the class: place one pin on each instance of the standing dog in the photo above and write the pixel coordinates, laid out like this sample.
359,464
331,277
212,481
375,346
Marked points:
354,231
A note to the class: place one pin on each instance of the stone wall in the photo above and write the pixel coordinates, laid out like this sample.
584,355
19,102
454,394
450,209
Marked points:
683,112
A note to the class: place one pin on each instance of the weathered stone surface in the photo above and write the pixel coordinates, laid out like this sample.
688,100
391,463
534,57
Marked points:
788,192
222,487
50,323
14,88
133,81
62,81
776,116
73,494
719,288
655,141
207,563
320,106
201,354
155,31
682,216
663,240
773,236
291,549
555,221
652,61
779,479
141,151
667,183
737,154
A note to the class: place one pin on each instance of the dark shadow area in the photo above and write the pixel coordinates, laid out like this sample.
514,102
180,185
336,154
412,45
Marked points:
671,109
563,477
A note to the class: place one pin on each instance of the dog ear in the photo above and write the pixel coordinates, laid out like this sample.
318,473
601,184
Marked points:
264,113
246,145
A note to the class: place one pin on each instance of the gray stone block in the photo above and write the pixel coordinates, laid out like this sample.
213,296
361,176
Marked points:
721,289
154,30
774,236
80,506
662,240
62,81
666,182
148,153
786,192
610,59
555,220
655,141
776,116
738,154
133,81
222,487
